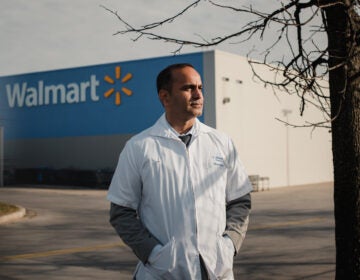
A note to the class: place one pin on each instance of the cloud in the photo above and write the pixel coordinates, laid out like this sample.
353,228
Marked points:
49,34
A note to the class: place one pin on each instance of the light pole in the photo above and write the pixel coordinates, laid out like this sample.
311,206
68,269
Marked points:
286,113
1,156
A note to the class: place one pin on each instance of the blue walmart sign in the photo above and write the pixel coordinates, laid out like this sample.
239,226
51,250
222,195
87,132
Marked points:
117,98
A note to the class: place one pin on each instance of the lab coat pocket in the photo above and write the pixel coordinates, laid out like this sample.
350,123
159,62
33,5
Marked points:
164,261
225,258
213,178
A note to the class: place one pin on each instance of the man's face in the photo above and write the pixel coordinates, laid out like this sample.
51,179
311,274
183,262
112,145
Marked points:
184,100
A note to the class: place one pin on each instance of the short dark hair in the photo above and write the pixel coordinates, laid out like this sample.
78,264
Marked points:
164,78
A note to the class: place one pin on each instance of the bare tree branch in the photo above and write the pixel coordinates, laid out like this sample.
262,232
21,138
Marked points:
302,74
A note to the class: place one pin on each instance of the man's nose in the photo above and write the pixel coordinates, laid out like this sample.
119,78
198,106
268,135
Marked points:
196,93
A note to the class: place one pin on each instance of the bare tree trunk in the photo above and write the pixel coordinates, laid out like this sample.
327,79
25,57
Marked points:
345,109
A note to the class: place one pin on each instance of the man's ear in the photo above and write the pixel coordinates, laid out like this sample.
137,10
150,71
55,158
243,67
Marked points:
163,96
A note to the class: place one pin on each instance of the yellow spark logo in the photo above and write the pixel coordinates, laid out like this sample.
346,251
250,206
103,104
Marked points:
111,81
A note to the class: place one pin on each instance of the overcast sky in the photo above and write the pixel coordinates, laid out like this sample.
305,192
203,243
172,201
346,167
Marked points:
40,35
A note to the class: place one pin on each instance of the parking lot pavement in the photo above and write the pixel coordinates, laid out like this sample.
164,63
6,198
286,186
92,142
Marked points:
66,235
291,235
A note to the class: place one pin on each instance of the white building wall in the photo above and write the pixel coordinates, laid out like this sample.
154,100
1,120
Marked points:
247,111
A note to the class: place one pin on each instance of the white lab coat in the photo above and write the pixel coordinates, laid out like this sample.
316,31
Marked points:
180,195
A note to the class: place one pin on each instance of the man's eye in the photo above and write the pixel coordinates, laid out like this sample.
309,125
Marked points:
191,88
188,88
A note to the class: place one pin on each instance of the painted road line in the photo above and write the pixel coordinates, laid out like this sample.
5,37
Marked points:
120,244
286,224
63,251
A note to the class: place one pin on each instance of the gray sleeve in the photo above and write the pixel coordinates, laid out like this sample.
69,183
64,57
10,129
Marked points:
130,229
237,219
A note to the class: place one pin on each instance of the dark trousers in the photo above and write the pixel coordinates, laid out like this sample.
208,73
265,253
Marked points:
204,273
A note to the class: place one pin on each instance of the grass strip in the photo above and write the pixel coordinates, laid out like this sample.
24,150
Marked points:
7,208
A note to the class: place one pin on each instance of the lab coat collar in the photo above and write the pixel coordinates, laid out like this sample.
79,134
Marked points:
163,129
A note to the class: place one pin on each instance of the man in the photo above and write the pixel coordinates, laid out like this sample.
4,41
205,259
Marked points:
182,207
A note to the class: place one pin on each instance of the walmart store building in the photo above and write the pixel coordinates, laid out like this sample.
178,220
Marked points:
68,126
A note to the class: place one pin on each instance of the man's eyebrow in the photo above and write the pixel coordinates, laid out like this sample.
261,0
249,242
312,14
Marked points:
191,86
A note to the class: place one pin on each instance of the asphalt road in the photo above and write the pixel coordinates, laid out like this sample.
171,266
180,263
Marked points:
66,235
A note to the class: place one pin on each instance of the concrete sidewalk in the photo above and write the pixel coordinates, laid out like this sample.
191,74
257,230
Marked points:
291,236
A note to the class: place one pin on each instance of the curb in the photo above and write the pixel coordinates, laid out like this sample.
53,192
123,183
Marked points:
13,216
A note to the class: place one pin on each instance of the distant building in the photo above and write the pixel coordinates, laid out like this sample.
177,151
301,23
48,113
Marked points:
68,126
